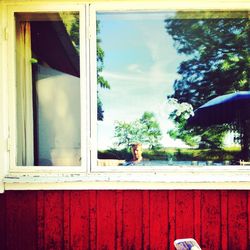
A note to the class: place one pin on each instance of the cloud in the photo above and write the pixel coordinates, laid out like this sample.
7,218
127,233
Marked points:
154,75
134,68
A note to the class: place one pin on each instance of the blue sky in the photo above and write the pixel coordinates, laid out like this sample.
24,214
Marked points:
140,64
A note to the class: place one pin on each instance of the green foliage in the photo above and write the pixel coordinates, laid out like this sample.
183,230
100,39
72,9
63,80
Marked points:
218,63
100,79
145,130
151,132
71,22
99,109
33,60
74,32
182,111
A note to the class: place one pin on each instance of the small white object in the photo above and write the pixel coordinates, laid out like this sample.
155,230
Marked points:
186,244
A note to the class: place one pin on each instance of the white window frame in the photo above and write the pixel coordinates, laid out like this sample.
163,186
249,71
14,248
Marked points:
89,175
12,89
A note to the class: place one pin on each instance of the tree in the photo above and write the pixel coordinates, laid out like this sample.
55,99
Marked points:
73,29
151,130
145,130
218,63
100,79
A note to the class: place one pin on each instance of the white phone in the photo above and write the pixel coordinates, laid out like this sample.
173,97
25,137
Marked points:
186,244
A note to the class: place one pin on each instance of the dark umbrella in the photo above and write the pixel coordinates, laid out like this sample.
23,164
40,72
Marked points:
228,108
223,109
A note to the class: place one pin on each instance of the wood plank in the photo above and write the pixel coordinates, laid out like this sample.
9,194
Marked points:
132,220
92,220
40,219
106,201
210,218
172,216
237,224
21,220
224,220
158,220
146,220
3,221
53,220
79,220
66,220
184,214
119,220
124,219
197,216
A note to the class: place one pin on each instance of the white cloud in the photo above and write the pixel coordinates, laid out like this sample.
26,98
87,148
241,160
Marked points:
134,68
154,75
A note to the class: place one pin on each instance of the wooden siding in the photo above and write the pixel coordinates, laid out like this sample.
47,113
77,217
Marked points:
218,220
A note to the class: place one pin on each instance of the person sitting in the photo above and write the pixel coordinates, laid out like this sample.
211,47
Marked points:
136,150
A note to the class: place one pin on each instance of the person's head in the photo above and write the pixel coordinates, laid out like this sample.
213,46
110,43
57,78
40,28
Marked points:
136,149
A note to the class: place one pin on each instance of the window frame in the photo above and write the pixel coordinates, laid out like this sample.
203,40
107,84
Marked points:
11,10
117,7
88,175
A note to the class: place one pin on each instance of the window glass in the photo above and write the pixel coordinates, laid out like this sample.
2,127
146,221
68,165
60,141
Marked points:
48,89
158,75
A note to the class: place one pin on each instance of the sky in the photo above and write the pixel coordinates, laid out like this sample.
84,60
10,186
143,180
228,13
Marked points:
141,66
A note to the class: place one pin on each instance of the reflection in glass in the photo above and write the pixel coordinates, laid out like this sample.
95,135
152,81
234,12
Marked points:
161,67
48,89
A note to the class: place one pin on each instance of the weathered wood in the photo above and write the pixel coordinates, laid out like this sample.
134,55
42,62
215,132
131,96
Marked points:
40,220
53,220
3,218
21,228
184,214
132,220
106,220
224,219
197,215
146,220
218,220
92,220
172,219
119,220
210,220
79,220
237,220
159,220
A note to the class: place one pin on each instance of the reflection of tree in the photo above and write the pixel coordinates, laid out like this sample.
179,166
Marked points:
100,80
219,60
145,130
72,25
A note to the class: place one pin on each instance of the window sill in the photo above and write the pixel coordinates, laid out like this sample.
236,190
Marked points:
151,181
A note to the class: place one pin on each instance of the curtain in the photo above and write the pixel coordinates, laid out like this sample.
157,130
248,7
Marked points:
25,139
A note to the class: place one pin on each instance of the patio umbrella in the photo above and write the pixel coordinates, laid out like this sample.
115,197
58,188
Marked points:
223,109
226,109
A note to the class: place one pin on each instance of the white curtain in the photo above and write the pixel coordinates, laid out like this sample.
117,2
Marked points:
25,137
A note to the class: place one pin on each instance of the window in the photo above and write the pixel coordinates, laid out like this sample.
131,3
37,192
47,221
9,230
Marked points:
48,89
158,75
83,83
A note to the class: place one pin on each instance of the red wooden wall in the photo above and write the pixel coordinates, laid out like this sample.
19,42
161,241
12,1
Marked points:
218,220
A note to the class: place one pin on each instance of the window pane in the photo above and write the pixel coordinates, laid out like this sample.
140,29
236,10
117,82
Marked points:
158,70
48,89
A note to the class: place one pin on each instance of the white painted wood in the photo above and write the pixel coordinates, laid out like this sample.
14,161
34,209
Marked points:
4,132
